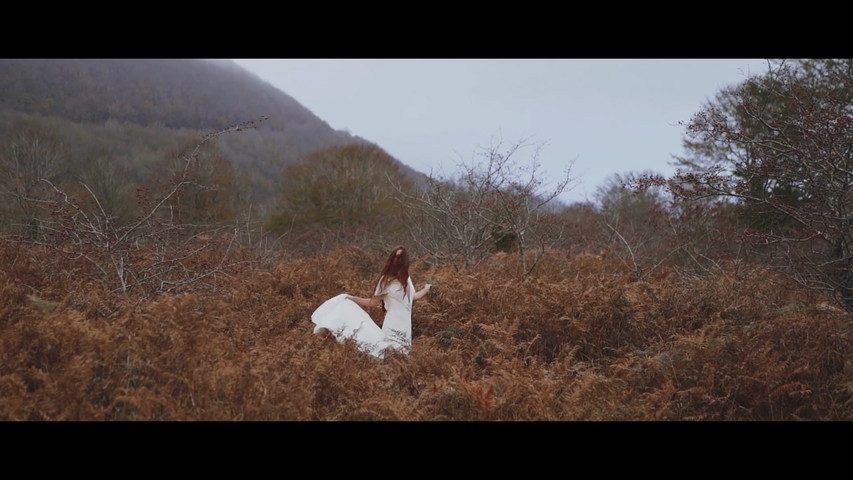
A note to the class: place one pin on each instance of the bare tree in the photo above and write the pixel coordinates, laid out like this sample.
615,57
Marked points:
493,200
635,219
108,181
151,254
26,157
445,220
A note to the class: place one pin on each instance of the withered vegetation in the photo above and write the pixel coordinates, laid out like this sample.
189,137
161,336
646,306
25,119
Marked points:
578,339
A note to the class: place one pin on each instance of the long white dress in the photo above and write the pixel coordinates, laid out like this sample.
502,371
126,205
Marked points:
346,319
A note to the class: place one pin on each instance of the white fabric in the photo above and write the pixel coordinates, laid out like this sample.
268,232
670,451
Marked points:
346,319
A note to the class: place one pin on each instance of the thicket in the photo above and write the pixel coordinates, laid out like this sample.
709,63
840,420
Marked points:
777,147
192,322
577,339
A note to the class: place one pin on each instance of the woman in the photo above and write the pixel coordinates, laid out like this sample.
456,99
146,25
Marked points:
395,293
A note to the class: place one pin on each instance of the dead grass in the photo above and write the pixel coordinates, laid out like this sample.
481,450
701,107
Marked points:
578,340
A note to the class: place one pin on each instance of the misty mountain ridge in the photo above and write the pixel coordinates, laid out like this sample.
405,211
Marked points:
171,95
177,93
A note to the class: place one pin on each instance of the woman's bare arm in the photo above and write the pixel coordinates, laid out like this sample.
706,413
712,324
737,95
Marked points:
420,293
366,302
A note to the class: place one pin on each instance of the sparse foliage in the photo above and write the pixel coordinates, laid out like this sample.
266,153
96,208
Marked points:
27,156
444,220
109,182
636,220
493,202
153,253
779,147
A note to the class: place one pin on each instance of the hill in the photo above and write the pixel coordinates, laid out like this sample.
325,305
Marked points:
176,93
155,100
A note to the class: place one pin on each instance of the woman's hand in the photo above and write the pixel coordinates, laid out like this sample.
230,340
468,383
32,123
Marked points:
420,293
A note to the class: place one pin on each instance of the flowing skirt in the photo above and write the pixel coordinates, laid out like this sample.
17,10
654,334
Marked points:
345,319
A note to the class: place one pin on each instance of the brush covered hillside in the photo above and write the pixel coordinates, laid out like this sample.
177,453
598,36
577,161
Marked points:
128,112
141,280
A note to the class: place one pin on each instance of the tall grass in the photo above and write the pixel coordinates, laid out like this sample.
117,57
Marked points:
577,340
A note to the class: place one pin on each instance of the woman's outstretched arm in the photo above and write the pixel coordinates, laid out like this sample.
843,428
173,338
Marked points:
366,302
420,293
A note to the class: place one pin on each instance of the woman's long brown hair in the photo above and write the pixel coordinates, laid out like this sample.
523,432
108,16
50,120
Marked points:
396,267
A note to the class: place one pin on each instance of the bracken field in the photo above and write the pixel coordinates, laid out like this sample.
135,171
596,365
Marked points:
578,339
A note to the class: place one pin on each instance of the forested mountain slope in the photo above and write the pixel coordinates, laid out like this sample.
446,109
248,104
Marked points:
176,93
101,106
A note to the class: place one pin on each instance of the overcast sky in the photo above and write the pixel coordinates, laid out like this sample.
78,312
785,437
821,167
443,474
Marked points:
597,116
